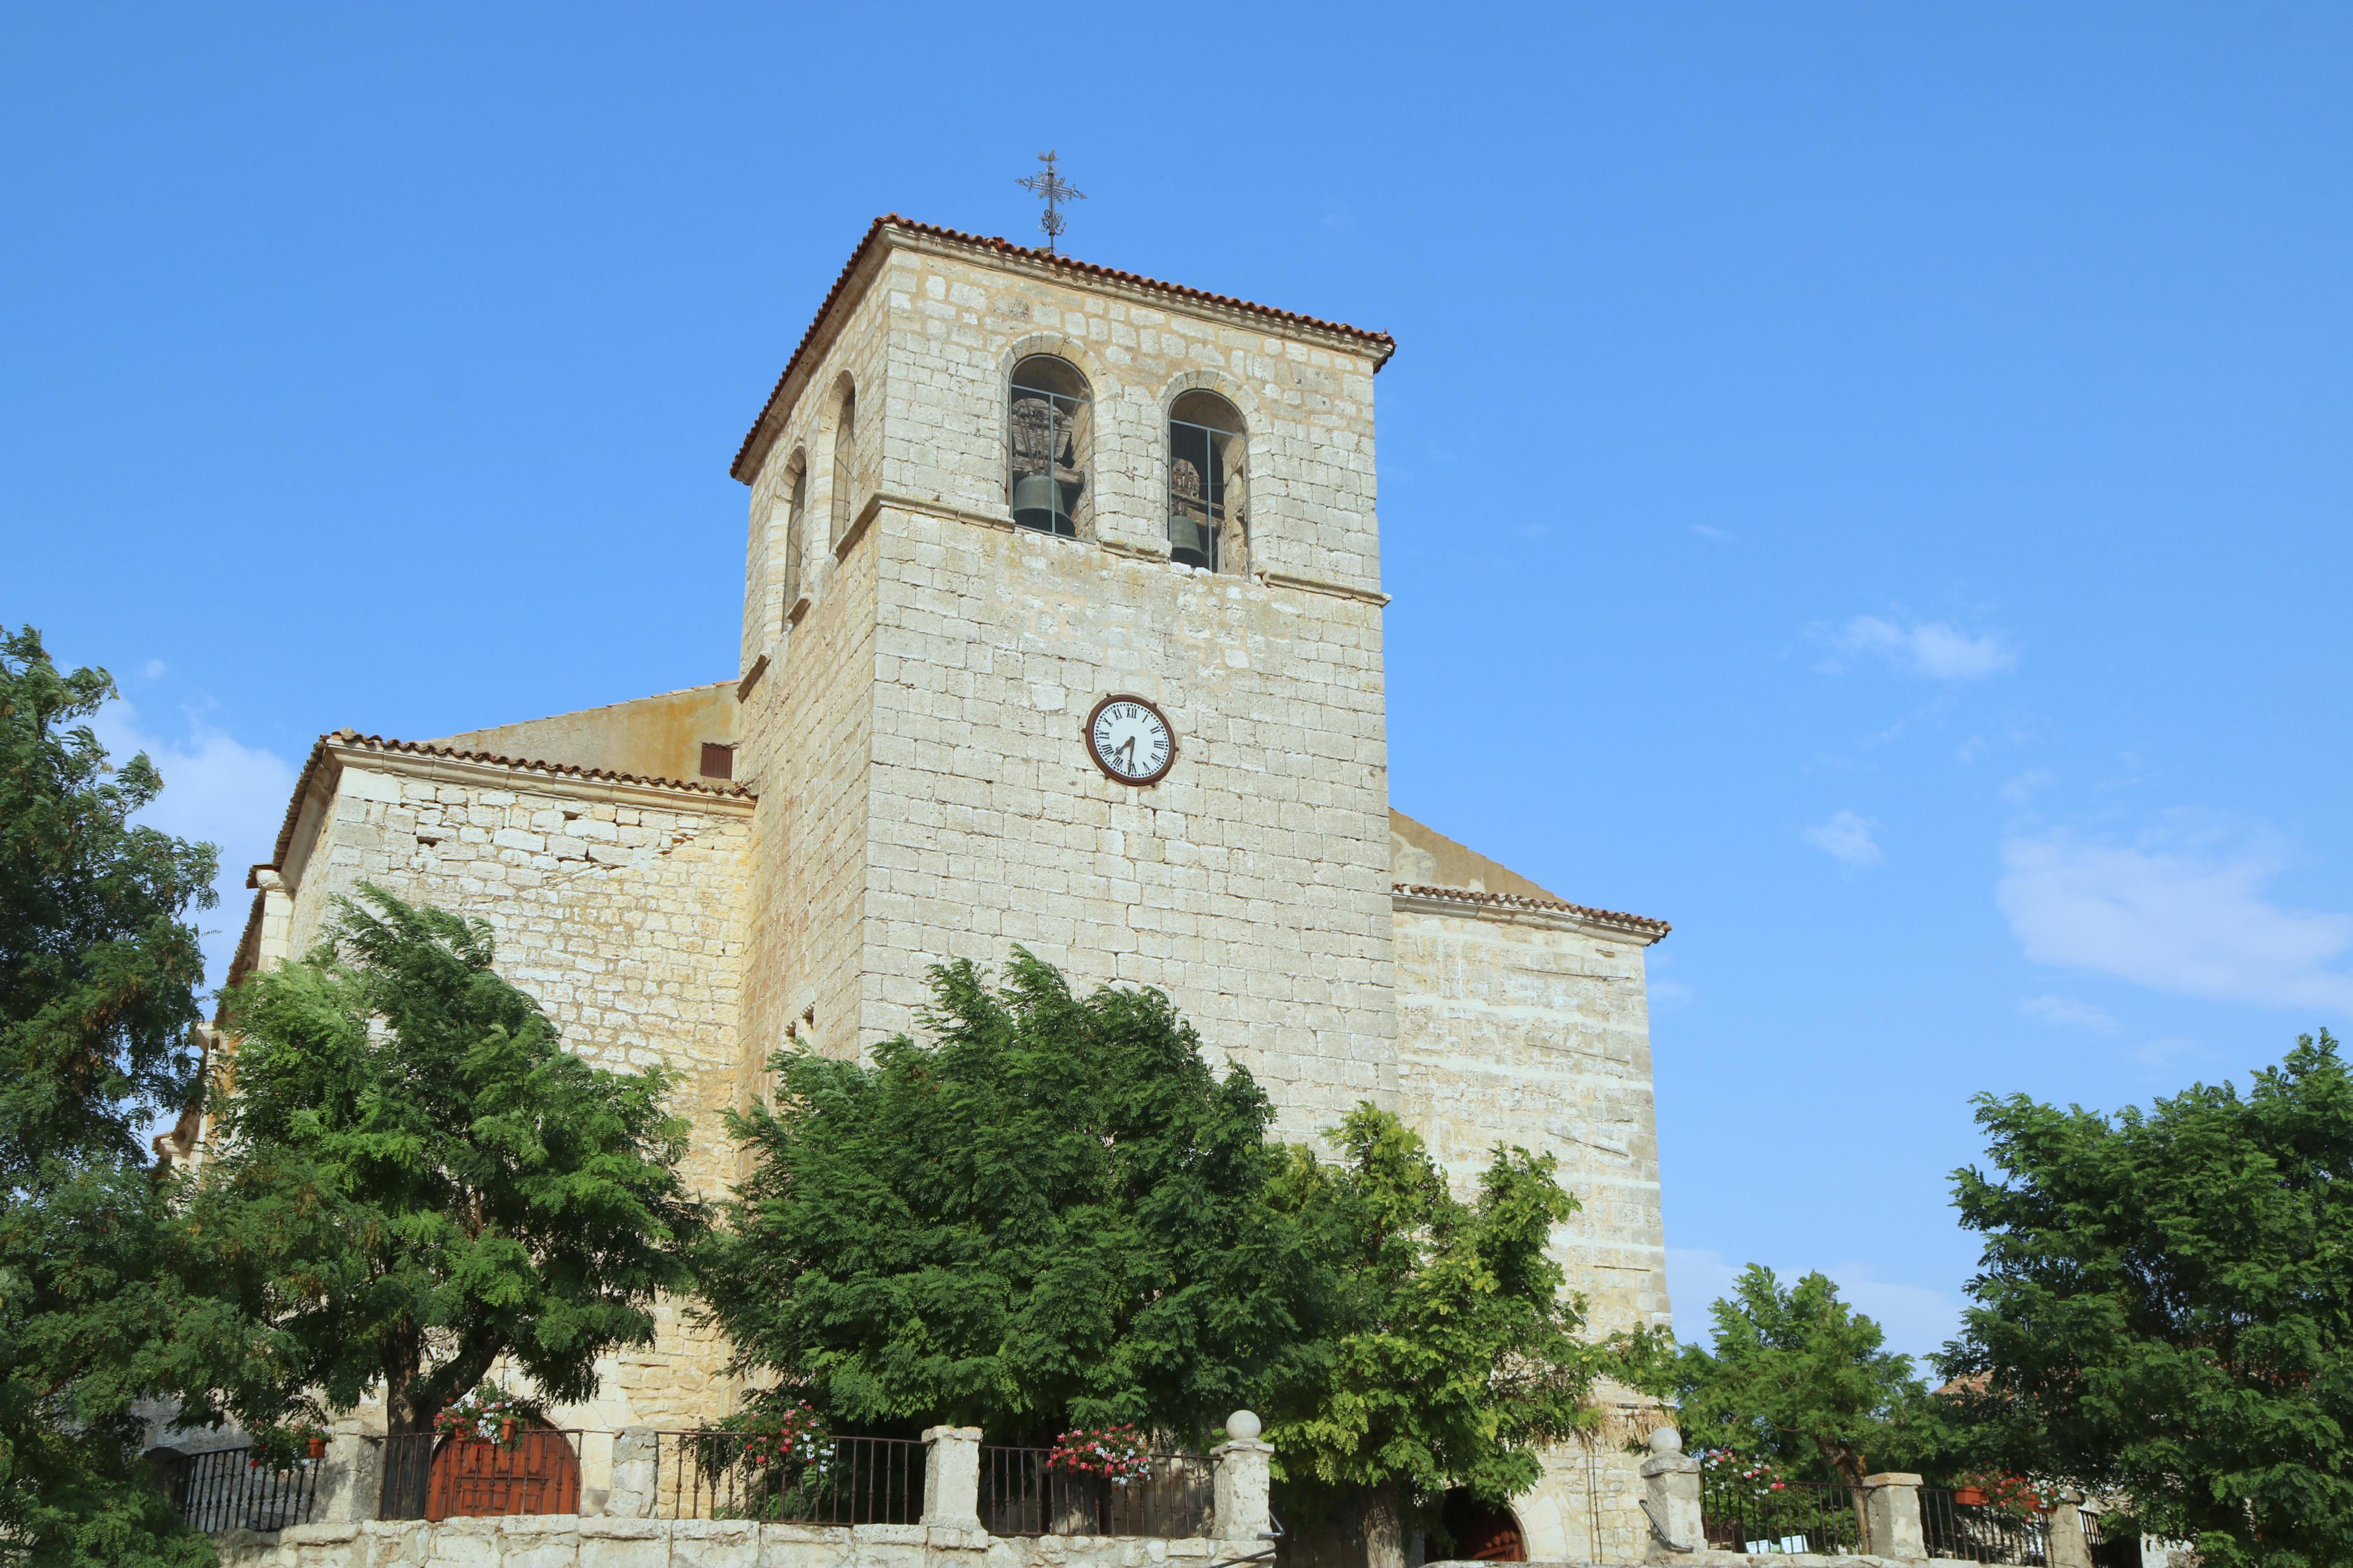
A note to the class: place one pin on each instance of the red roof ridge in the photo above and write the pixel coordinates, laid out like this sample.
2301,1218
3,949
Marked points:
1522,901
1382,340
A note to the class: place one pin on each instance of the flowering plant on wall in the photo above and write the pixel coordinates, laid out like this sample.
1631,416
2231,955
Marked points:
2014,1495
1118,1454
1720,1470
789,1434
487,1414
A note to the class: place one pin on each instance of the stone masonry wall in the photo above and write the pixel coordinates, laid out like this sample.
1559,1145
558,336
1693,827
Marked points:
624,918
1248,884
1521,1027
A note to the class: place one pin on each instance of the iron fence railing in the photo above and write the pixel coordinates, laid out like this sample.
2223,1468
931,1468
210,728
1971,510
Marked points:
1975,1533
717,1475
429,1476
1022,1494
234,1488
1750,1516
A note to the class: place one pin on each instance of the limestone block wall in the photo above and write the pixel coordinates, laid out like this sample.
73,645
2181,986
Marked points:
621,909
1516,1026
1249,884
808,728
1528,1026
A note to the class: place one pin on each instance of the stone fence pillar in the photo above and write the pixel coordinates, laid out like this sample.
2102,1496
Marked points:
634,1480
1243,1481
1671,1493
2068,1547
1890,1506
951,1478
351,1480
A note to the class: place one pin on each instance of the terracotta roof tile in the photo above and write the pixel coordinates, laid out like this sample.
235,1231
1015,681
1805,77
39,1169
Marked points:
1381,342
1640,923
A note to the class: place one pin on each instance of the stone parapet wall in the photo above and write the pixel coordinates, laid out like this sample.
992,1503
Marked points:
572,1540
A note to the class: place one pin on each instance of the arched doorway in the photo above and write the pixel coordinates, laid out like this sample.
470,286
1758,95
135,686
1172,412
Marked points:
1481,1531
541,1474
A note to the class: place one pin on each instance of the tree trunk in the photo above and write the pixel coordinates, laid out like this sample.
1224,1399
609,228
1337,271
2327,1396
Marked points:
1384,1529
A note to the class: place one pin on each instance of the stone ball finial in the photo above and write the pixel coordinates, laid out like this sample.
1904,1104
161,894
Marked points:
1666,1440
1243,1427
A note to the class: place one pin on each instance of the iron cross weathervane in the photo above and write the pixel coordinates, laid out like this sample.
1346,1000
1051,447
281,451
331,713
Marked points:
1049,187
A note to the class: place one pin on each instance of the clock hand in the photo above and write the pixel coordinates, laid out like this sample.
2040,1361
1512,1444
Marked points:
1128,750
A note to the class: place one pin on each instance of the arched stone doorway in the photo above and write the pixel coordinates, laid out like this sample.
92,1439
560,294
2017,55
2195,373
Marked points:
1481,1531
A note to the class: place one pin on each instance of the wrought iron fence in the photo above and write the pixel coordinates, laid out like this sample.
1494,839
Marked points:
234,1488
1752,1516
1022,1494
716,1475
429,1476
1974,1532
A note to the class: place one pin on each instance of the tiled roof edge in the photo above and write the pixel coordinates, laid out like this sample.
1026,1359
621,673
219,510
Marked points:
349,737
1655,929
532,765
1386,344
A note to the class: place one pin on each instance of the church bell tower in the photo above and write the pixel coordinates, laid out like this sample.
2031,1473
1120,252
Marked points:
1062,628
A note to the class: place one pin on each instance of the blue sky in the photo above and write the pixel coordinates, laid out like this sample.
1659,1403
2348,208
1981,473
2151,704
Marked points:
1869,484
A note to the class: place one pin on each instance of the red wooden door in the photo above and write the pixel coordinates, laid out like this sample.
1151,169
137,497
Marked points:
540,1474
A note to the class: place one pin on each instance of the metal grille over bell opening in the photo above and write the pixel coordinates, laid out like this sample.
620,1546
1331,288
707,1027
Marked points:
1206,495
1050,420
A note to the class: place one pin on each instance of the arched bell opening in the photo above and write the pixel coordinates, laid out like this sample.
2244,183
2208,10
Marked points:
1050,427
1208,494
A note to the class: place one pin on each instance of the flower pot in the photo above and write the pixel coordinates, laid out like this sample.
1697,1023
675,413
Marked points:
1969,1496
318,1447
506,1433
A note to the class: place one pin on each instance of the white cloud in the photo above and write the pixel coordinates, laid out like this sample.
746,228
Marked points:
215,789
152,670
2069,1014
1917,1321
1669,995
1704,532
2177,911
1929,648
1847,839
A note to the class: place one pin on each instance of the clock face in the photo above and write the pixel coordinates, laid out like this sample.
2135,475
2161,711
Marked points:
1130,740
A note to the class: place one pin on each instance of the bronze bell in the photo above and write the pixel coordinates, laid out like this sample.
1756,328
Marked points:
1190,542
1037,502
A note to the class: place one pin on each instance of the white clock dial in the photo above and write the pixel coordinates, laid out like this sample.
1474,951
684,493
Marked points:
1130,739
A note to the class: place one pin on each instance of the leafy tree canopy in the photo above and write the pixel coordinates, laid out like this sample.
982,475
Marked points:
1052,1214
2165,1306
1449,1352
416,1178
1798,1377
98,974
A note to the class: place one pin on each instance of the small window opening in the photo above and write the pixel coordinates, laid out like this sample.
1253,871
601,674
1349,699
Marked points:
1207,497
795,532
1051,417
845,461
718,761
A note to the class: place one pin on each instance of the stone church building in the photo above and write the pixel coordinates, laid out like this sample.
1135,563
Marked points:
1063,606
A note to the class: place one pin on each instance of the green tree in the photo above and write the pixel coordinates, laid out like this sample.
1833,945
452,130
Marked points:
414,1178
1798,1377
2165,1306
1052,1214
1448,1353
98,975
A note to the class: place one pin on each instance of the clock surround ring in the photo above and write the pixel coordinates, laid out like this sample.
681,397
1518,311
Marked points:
1087,740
